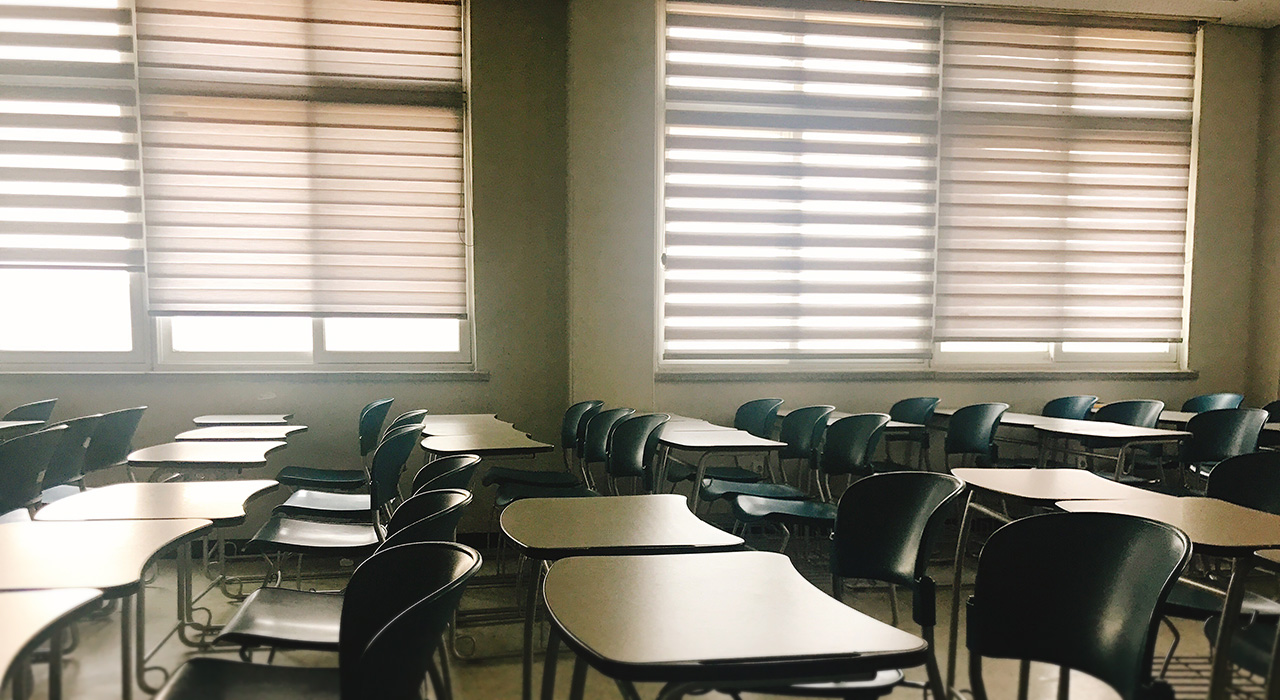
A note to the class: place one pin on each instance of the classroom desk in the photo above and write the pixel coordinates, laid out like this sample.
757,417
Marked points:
236,433
462,424
548,529
489,443
243,419
1034,486
689,621
705,443
27,616
198,454
1215,527
110,555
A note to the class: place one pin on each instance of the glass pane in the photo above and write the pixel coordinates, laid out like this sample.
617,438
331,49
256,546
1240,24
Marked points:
240,334
1118,348
393,334
984,347
65,311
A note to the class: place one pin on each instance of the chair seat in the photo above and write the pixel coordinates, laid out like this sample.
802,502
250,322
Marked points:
286,618
510,493
1198,604
715,489
327,504
323,479
753,508
59,492
530,477
281,533
218,679
679,471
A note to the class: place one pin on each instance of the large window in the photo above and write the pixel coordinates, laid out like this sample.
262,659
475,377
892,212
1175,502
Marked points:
869,185
270,182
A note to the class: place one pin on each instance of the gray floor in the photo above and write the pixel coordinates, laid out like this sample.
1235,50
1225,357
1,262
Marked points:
92,671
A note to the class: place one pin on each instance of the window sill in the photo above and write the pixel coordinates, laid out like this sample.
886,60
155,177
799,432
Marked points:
956,375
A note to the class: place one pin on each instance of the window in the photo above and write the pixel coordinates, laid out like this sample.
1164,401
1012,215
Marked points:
297,167
863,184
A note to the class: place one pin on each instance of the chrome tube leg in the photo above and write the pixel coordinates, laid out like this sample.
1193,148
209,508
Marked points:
1220,671
957,579
549,664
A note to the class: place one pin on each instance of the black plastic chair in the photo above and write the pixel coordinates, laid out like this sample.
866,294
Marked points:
630,451
286,618
23,461
757,417
36,410
112,439
1073,407
1218,434
283,533
1077,590
456,473
802,430
971,433
1141,413
369,431
393,617
65,475
576,414
846,451
1211,402
918,410
595,440
885,529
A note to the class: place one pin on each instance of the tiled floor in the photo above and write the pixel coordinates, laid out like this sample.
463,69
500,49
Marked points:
92,671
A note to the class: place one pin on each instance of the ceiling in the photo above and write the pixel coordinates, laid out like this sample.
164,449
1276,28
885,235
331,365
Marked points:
1249,13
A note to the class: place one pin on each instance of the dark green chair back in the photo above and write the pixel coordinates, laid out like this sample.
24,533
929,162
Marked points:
595,444
628,443
972,431
1273,411
388,462
757,417
36,410
407,418
1073,407
886,525
580,439
799,430
1250,480
23,461
849,444
66,465
574,422
1211,402
369,428
918,409
1221,433
430,516
455,474
1079,590
1142,413
394,613
112,439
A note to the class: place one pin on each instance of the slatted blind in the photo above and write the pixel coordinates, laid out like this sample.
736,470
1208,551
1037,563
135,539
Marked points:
69,195
1065,165
304,157
800,168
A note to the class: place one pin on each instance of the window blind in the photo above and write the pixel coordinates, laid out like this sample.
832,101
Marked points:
800,169
1066,154
303,157
69,194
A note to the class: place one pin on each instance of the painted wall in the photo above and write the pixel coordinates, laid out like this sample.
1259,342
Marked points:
1265,359
613,168
518,105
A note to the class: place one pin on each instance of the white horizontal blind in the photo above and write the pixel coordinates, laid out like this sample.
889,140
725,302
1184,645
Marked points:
304,157
69,194
800,168
1065,167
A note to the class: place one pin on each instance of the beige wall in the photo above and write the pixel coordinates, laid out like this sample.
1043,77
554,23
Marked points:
1265,345
613,166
